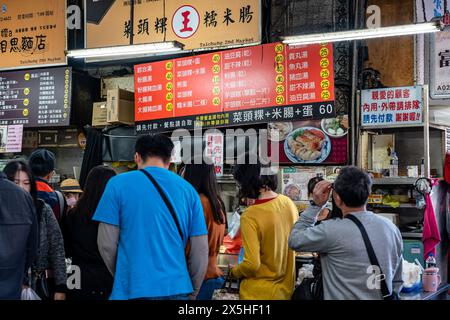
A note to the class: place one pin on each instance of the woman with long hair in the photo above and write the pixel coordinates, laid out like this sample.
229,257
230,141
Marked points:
203,178
48,272
267,271
80,235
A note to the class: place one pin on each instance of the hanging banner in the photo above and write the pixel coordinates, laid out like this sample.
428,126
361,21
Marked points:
32,33
36,98
257,84
198,24
440,65
11,138
395,107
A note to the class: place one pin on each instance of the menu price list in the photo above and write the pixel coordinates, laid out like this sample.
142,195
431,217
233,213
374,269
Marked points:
37,98
264,79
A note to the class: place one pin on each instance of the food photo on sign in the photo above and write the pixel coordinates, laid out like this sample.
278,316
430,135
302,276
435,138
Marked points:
311,142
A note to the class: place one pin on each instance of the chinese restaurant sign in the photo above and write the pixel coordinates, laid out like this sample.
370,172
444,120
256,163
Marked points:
440,65
36,98
394,107
197,24
32,33
256,84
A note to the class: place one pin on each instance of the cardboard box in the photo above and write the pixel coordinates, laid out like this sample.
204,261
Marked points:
99,114
120,107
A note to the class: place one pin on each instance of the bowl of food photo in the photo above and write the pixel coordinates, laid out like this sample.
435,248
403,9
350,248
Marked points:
335,127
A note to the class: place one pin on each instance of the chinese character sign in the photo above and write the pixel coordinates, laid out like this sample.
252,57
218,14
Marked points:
197,23
429,9
32,33
440,66
270,82
392,106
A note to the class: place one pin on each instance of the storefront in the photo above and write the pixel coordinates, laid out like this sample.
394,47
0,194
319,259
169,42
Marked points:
228,87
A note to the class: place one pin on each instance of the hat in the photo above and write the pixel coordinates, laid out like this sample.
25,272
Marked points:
42,162
71,185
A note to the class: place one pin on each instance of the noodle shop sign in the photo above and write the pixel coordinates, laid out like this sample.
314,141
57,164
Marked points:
258,84
392,107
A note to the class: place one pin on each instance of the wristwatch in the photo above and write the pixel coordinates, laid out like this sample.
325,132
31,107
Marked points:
311,202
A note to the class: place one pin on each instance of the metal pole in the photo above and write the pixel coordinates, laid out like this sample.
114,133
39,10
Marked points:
354,125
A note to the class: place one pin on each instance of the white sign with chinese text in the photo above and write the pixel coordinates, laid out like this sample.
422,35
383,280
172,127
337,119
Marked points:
214,150
440,65
11,138
394,107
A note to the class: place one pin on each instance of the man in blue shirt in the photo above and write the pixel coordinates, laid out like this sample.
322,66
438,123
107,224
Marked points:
139,239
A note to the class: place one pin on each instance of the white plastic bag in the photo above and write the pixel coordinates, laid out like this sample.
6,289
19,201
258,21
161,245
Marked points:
234,225
29,294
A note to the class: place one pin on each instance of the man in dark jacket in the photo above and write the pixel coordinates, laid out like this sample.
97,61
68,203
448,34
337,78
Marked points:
18,237
42,163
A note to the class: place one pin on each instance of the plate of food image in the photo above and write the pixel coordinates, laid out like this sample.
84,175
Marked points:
307,145
335,127
278,131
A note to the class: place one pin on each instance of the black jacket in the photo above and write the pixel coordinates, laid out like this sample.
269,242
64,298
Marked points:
18,237
80,240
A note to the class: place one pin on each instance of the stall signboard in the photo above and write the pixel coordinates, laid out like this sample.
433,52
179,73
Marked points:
258,84
310,142
440,65
214,150
294,183
11,138
197,24
393,107
36,98
32,33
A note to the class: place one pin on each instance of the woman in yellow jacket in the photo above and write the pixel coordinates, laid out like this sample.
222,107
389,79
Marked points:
268,268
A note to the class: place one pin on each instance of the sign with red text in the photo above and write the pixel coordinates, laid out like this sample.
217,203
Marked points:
393,107
265,83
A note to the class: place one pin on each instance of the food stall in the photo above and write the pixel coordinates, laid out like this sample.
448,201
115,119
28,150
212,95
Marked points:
404,150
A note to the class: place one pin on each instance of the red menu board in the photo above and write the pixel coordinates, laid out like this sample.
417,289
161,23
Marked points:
265,83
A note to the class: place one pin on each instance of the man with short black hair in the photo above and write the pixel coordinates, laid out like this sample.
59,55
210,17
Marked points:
347,271
42,164
146,219
18,237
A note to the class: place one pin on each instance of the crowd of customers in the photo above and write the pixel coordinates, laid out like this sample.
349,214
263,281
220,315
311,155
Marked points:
152,234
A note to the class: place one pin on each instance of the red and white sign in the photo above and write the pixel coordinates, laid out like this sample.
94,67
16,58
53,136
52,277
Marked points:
265,83
185,22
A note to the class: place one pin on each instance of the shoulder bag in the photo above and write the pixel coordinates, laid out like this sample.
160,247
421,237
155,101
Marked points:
373,259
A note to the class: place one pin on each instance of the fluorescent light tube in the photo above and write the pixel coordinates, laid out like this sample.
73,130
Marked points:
362,34
127,51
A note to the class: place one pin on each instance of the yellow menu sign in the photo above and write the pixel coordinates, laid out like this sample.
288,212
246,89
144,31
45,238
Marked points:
32,33
197,24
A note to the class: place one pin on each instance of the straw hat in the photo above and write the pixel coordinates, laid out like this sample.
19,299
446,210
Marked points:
71,185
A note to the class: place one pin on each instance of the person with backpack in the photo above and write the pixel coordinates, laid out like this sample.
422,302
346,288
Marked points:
146,219
42,164
361,254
